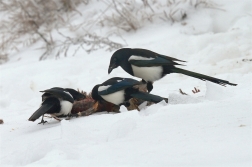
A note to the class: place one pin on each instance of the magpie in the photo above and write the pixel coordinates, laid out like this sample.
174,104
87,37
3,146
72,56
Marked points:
120,90
151,66
57,102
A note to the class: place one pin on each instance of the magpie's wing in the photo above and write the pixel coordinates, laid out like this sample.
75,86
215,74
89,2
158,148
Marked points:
157,61
119,85
149,58
112,81
170,58
148,97
60,93
58,88
149,54
76,95
50,105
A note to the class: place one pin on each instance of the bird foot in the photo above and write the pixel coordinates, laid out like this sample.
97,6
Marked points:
42,122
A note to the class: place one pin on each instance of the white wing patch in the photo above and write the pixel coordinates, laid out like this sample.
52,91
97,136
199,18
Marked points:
101,88
115,98
133,57
68,93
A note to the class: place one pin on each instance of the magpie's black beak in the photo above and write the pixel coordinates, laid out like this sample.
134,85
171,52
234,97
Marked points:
111,68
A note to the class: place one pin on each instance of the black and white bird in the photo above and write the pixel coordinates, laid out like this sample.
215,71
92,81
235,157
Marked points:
56,102
120,90
151,66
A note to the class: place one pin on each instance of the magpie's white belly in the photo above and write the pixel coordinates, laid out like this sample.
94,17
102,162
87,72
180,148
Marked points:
115,98
148,73
66,107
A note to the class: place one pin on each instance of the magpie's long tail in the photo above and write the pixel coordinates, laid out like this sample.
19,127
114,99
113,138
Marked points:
149,97
45,108
202,77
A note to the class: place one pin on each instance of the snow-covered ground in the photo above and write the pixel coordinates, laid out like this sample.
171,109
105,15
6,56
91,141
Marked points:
210,128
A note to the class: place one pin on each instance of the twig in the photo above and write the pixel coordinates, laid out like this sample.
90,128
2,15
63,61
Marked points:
34,23
146,3
125,17
183,93
195,90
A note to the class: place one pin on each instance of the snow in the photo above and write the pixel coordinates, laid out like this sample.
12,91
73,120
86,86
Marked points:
209,128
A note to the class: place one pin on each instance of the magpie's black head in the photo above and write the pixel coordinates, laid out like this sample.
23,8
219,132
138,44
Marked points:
118,58
76,95
95,94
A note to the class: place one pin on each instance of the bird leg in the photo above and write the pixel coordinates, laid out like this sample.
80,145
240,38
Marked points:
42,121
55,117
48,116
